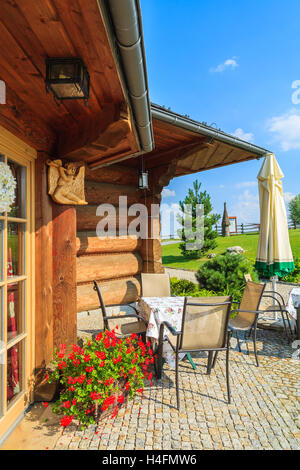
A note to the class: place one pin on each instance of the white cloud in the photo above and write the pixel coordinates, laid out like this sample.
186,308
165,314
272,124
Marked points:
228,64
246,184
246,208
243,135
168,193
287,197
286,129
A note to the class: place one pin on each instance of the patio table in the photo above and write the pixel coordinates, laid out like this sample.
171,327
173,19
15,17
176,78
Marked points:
293,308
157,310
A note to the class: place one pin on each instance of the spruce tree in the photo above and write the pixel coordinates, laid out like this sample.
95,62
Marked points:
194,198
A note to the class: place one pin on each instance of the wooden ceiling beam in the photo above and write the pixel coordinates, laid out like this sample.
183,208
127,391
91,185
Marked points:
97,140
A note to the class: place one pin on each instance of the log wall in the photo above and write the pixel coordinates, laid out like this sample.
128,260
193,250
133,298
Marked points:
116,262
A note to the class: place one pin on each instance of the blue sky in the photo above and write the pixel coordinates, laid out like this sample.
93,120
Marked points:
234,64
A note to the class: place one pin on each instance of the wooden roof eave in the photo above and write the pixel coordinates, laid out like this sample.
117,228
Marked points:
198,147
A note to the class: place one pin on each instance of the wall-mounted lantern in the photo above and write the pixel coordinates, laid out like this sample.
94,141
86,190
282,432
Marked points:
67,78
143,177
143,180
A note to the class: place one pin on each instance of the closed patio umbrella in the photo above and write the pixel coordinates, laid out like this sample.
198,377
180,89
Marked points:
274,255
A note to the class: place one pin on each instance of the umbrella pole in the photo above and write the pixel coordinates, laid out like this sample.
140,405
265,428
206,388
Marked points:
274,280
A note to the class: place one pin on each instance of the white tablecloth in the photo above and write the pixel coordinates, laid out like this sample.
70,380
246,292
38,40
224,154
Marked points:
158,309
293,302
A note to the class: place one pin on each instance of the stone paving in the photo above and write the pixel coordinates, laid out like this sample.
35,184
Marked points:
264,414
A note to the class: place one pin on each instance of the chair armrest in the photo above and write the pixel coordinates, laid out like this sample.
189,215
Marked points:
274,292
282,306
171,329
131,306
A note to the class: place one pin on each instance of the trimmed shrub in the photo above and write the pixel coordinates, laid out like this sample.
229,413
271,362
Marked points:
224,275
184,288
294,276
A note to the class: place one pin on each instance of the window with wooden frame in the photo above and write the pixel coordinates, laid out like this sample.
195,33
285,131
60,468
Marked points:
16,284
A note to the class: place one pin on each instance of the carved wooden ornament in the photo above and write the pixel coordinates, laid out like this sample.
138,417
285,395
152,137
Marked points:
66,185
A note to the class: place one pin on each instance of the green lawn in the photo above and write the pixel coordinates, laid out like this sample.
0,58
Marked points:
172,257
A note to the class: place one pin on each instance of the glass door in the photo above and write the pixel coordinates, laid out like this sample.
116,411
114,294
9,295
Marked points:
16,299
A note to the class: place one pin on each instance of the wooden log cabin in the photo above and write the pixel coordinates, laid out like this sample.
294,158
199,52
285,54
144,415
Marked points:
49,252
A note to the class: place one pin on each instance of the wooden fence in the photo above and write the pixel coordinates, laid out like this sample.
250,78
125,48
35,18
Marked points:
250,228
241,229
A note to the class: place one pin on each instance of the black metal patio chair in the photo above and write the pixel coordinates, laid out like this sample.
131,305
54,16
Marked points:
277,307
126,329
248,312
204,328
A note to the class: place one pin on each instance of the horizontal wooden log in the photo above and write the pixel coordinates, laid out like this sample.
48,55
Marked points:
116,174
88,220
100,193
95,245
115,292
103,267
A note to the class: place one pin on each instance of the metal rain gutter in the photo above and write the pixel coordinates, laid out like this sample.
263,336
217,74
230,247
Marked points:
181,121
124,26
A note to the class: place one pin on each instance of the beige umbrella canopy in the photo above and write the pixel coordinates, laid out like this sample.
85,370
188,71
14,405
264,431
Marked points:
274,254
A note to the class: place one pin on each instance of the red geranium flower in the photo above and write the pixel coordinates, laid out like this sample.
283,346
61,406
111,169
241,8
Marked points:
45,404
95,395
100,354
120,399
66,404
99,337
114,413
66,420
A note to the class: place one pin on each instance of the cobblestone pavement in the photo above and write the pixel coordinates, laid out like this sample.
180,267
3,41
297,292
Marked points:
264,414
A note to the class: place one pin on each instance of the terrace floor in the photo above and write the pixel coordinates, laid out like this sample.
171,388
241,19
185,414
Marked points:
264,414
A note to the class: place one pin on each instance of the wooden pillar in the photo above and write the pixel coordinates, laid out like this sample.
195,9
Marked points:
43,266
64,275
151,248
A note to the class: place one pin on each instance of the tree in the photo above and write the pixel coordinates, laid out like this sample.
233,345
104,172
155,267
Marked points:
224,274
194,198
294,209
